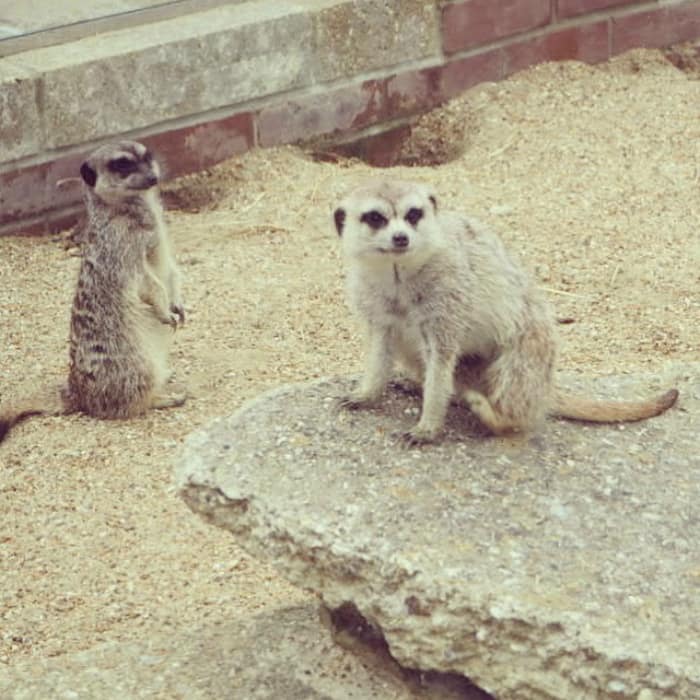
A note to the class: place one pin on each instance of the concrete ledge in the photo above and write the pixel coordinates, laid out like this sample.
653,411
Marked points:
20,120
209,85
563,566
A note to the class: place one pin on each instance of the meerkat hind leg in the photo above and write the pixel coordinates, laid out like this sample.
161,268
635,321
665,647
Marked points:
481,407
512,392
172,400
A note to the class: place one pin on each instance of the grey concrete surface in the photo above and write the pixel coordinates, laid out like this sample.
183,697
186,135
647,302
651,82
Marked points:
280,655
34,15
564,566
135,78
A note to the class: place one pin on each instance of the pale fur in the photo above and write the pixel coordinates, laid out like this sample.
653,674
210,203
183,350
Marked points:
127,301
458,313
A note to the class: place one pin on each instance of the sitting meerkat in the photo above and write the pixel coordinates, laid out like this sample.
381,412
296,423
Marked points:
127,302
441,295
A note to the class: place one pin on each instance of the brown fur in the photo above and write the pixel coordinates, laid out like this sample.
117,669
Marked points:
443,297
127,301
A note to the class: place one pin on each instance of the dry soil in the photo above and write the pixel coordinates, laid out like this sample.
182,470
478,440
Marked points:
590,173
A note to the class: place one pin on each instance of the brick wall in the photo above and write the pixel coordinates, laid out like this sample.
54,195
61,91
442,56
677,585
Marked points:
344,88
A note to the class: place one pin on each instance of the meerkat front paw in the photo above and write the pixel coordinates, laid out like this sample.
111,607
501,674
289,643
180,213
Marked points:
175,397
179,311
171,400
170,319
353,402
418,437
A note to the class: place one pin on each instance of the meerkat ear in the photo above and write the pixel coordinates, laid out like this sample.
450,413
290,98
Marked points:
339,218
88,174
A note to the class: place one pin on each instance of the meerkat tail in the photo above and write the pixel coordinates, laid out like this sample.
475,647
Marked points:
584,409
48,402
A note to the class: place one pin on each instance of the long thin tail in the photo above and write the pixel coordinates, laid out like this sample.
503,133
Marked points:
49,402
584,409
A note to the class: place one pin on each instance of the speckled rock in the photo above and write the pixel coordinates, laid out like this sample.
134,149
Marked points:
565,566
282,654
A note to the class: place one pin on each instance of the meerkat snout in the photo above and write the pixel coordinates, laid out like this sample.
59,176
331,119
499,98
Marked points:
400,241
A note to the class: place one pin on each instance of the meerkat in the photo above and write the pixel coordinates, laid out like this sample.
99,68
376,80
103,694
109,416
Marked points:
127,301
442,297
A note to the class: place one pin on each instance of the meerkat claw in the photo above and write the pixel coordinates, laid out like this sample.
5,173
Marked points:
415,439
179,311
350,403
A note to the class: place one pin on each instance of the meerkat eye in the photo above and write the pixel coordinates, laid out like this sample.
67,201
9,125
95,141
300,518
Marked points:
414,215
123,166
374,219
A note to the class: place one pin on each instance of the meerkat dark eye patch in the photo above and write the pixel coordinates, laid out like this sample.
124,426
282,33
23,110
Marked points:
414,215
339,218
88,174
123,166
374,219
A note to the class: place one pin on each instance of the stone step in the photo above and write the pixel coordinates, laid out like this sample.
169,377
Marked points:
560,566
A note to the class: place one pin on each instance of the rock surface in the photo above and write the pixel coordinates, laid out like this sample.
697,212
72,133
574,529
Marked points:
565,566
279,655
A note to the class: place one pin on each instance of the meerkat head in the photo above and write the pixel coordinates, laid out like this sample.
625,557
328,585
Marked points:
388,220
119,171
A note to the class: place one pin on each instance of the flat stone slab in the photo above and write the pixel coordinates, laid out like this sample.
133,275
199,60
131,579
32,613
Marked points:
564,566
281,654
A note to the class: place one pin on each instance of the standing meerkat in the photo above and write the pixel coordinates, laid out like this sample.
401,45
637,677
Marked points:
127,301
441,295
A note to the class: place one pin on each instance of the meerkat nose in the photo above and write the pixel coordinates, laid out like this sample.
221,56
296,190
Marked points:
400,240
151,180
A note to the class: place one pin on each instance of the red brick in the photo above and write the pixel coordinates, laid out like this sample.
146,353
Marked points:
683,22
414,91
380,150
472,23
641,29
589,43
32,191
31,202
458,76
334,111
572,8
417,91
656,28
58,220
193,148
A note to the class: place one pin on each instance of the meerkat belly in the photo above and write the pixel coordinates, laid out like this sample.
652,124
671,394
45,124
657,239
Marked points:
409,346
153,339
407,338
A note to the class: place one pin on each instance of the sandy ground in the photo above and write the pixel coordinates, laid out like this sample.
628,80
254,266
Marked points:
591,173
